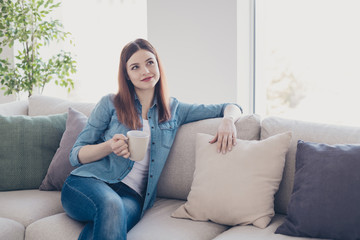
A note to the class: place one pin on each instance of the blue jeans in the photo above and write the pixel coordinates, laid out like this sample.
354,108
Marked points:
109,210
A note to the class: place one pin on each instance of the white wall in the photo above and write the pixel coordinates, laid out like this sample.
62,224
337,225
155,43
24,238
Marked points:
99,30
197,42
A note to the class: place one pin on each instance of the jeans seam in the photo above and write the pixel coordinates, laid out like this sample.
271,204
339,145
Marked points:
77,190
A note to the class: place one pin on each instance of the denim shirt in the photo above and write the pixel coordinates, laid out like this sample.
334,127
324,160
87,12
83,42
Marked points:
103,124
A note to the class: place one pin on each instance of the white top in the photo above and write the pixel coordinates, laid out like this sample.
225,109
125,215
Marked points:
137,177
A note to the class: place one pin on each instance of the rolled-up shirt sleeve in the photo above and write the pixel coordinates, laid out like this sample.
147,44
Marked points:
96,125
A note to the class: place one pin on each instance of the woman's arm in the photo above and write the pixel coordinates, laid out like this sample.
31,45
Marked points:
87,148
225,137
91,153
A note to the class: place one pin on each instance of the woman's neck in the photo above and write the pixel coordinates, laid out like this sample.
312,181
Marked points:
146,99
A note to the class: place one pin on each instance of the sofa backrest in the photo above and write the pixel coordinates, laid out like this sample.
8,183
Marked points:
177,176
306,131
44,105
14,108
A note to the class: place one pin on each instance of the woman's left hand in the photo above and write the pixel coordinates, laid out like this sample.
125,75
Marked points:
225,137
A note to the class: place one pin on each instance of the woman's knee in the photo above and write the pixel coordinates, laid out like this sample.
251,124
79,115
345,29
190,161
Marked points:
112,206
76,201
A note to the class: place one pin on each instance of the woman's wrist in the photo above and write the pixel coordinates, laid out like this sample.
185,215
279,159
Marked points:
232,112
232,118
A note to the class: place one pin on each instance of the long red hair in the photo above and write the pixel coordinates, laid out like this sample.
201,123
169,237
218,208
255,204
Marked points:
125,98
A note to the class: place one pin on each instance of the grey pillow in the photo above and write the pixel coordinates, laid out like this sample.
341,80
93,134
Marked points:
325,200
60,166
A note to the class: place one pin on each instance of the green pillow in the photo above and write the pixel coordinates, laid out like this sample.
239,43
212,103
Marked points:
27,145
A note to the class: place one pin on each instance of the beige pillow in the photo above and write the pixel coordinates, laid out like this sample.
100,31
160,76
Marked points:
236,188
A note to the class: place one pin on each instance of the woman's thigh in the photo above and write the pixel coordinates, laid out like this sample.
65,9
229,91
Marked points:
132,201
82,197
86,198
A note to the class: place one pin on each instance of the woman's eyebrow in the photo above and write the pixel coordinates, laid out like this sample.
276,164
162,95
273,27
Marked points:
133,64
151,58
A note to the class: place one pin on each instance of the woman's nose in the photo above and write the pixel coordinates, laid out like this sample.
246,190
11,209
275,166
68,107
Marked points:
146,71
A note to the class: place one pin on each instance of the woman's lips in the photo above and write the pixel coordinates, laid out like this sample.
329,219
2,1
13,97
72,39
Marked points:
146,79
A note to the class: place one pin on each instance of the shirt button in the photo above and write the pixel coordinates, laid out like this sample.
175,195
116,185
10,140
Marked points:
151,176
152,160
153,142
148,194
152,127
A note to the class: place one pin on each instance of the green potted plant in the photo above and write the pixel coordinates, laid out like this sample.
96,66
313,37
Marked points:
27,24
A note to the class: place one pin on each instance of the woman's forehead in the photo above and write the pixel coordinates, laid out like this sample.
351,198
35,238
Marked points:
140,57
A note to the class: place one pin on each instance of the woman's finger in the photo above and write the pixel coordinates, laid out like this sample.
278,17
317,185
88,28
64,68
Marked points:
214,139
230,142
234,139
224,144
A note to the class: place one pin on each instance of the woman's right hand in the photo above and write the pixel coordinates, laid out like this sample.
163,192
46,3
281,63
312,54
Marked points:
119,145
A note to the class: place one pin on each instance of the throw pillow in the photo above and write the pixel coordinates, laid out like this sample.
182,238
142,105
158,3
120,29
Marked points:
236,188
26,148
60,166
326,196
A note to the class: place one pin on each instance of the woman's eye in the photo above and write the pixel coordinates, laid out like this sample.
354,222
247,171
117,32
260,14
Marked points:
134,67
150,62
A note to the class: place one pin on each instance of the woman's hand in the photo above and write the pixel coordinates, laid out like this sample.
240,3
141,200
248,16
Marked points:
225,137
119,145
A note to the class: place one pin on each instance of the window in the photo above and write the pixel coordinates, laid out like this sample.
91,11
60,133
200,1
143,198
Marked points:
307,56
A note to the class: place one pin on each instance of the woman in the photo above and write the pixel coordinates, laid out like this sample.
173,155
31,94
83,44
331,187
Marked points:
109,191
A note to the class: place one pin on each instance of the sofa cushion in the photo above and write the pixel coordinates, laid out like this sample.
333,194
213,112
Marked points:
236,188
45,105
176,178
55,227
27,206
158,225
26,148
14,108
11,230
326,196
253,233
307,131
60,166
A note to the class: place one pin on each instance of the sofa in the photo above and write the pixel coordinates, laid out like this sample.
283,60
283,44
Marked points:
26,212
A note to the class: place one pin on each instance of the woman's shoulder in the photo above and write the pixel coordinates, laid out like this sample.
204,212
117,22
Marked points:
175,103
173,100
107,102
108,98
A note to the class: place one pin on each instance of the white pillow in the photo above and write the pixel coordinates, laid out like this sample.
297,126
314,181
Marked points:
236,188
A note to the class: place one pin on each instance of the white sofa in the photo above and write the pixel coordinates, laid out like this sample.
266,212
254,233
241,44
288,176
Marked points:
38,215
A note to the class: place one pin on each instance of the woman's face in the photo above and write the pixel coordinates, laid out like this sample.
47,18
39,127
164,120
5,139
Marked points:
143,70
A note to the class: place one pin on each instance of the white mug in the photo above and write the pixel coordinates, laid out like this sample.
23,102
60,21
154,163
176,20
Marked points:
138,144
